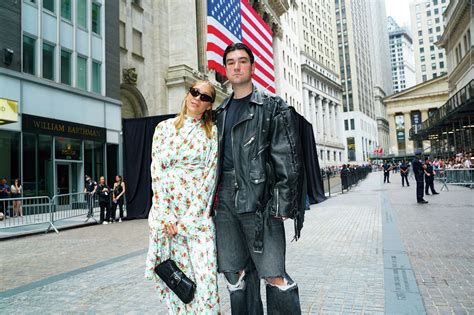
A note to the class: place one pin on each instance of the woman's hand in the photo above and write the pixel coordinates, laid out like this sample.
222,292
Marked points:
171,229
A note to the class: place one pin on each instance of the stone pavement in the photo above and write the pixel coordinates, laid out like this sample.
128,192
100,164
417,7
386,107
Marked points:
338,263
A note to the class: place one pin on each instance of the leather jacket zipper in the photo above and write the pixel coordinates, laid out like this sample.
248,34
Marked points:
249,141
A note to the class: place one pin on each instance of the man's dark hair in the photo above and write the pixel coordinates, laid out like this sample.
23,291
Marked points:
238,46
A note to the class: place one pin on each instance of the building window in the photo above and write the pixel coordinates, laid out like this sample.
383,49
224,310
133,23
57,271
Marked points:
96,18
81,73
137,42
96,77
29,54
48,5
346,124
424,77
122,35
65,67
66,9
82,13
441,64
48,61
352,124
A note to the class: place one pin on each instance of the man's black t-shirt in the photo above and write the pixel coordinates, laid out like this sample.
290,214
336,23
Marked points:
90,185
235,110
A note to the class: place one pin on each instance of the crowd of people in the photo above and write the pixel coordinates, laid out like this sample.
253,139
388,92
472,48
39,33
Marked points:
109,198
14,190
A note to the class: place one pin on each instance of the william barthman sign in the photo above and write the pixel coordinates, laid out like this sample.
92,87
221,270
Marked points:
8,111
42,125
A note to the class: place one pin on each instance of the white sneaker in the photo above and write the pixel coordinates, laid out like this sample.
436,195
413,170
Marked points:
105,222
120,220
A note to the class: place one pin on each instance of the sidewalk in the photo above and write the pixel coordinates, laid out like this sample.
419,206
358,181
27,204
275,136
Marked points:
340,263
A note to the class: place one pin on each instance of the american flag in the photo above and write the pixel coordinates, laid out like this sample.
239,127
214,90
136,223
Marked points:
233,21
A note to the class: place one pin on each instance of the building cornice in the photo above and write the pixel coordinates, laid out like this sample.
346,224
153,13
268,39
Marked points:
453,14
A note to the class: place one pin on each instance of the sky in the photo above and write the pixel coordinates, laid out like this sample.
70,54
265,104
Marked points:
399,10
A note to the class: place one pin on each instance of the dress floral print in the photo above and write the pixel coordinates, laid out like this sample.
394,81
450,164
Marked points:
183,171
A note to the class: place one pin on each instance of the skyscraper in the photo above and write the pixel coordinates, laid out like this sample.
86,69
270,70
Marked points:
401,56
427,27
320,78
353,27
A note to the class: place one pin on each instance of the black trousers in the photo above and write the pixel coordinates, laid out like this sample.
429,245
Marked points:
419,188
405,178
104,211
429,185
114,208
386,176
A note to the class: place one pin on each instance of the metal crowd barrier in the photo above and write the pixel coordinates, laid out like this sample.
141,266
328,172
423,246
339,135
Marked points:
68,206
27,211
456,176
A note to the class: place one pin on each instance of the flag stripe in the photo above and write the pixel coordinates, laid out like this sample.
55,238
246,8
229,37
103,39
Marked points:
251,24
259,21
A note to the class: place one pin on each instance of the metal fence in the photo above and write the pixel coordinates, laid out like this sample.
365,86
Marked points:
344,180
454,176
26,211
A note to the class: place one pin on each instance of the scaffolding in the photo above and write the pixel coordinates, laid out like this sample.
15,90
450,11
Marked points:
450,129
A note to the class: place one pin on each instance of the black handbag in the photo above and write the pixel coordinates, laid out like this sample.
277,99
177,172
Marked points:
176,280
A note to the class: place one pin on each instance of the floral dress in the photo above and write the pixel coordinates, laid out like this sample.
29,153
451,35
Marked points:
183,171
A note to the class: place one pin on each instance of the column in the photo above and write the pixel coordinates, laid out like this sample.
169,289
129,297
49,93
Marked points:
319,118
327,125
306,104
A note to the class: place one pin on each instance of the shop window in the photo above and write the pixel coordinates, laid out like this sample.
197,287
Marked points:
10,155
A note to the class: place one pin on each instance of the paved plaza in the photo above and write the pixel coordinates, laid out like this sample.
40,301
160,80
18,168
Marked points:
372,250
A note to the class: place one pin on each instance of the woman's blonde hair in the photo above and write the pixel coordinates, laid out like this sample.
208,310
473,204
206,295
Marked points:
206,116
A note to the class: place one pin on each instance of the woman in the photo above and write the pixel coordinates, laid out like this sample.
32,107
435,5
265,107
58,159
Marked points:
104,200
118,197
183,170
16,191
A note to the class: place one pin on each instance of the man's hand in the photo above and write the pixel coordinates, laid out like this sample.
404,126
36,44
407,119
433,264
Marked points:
171,229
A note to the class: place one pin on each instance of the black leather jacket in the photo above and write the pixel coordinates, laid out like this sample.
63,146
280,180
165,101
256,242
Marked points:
268,158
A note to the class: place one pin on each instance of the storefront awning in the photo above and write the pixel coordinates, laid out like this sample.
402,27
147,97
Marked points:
8,111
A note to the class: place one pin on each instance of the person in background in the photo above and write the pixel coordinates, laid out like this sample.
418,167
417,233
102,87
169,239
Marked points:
404,173
386,172
429,178
90,188
118,197
104,200
16,191
418,170
4,194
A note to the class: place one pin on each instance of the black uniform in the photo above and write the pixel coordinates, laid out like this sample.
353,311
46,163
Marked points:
429,180
117,191
386,172
419,174
104,202
404,174
90,186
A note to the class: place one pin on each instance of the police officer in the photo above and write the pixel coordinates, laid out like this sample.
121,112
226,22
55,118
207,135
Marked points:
429,178
386,172
404,173
90,189
418,170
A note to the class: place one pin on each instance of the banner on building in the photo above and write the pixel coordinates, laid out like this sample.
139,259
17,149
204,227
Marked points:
8,111
235,21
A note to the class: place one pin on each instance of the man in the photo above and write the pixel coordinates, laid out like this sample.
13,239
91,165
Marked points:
404,173
429,178
419,170
261,182
4,192
386,172
90,188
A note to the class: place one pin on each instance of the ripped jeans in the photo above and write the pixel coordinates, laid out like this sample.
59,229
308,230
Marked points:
242,267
